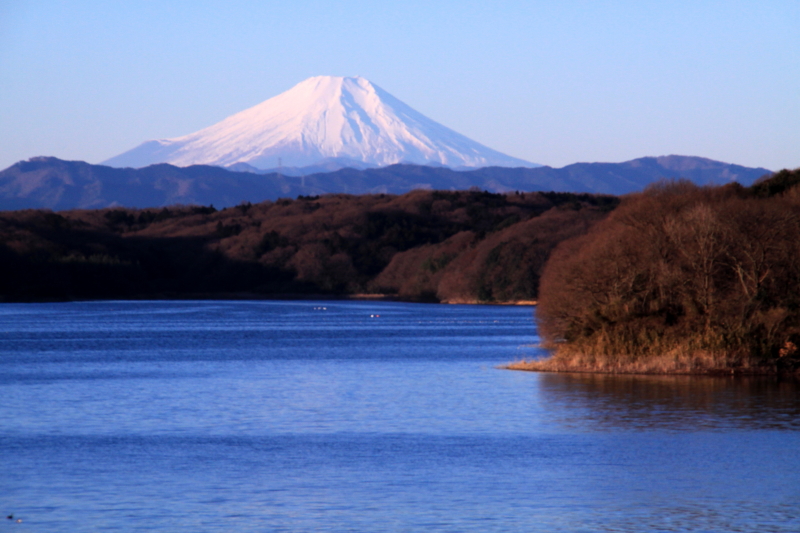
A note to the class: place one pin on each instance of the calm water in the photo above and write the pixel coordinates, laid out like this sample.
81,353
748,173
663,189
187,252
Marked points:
319,416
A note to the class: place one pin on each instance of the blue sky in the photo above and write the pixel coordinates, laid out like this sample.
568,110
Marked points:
551,82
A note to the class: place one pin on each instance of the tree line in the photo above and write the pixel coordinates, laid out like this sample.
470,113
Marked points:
423,246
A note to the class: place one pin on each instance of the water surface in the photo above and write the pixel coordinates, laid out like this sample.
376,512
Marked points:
367,416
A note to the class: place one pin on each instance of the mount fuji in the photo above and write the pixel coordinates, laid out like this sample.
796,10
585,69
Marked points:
325,119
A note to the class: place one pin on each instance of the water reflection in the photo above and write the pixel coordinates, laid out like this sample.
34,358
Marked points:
614,402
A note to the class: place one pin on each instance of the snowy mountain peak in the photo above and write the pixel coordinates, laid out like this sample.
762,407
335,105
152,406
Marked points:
321,118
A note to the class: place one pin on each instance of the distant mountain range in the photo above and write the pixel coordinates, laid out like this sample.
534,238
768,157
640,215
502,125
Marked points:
325,135
326,120
48,182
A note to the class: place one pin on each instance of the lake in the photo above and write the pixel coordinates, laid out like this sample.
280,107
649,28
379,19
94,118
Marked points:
367,416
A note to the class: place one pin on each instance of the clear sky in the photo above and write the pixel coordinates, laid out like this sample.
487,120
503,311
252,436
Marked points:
553,82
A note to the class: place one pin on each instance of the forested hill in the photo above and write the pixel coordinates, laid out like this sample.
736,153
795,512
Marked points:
47,182
425,245
680,279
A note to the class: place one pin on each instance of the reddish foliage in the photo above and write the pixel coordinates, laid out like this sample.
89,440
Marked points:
681,267
431,245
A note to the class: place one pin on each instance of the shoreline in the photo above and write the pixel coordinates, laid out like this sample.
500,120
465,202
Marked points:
252,296
649,367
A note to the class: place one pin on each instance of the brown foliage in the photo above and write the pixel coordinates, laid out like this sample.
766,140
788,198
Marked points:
424,245
675,272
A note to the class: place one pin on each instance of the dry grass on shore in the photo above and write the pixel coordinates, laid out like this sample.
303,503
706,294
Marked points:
675,362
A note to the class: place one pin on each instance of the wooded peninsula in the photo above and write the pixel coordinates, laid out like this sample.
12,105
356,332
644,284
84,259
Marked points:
675,279
680,279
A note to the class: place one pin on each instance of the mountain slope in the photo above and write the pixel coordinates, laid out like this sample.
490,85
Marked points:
47,182
319,119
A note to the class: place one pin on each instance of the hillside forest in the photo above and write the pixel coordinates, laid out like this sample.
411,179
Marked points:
468,246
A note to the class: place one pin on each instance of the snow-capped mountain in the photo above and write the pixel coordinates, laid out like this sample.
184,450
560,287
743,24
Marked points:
319,119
